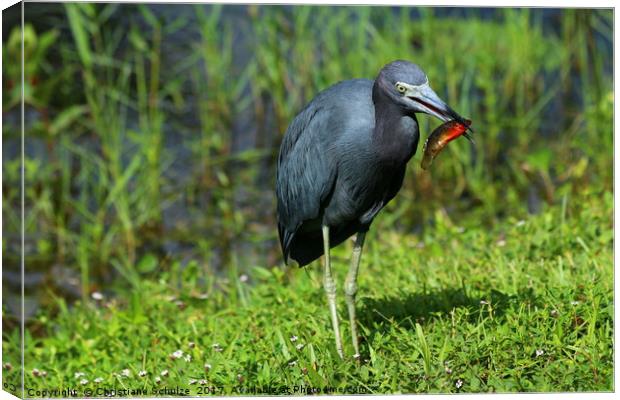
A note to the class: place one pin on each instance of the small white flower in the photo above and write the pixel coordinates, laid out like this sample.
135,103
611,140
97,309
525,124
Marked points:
78,375
458,383
192,381
448,370
191,345
501,243
574,303
554,313
187,358
292,363
142,373
157,379
484,302
98,380
520,222
294,338
8,366
164,372
176,354
44,373
243,278
36,372
356,356
126,372
96,296
84,382
300,346
207,367
539,352
202,382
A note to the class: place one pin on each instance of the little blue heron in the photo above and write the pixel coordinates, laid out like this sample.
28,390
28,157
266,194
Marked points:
342,159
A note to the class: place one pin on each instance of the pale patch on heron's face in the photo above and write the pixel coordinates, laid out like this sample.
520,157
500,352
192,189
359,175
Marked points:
421,98
408,89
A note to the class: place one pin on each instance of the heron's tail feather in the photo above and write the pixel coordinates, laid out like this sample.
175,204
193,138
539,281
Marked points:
299,249
286,237
305,247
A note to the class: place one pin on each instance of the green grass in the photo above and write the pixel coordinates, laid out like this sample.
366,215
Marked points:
524,306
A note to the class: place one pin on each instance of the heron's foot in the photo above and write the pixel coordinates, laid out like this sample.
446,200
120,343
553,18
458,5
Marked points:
330,291
350,290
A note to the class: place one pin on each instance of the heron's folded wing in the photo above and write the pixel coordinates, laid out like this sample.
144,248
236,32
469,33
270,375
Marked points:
305,174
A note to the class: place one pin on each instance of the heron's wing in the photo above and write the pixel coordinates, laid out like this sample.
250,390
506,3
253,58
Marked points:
306,173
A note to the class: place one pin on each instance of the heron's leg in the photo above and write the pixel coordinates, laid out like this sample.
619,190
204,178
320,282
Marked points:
350,287
330,290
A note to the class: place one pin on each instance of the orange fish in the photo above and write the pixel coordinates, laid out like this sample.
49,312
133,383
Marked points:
440,137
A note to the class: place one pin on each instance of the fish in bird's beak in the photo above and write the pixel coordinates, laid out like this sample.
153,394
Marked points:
423,99
440,137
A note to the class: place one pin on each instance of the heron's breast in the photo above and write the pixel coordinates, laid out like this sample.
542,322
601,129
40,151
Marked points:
361,190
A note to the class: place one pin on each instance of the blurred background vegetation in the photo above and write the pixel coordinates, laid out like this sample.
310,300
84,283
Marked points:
152,131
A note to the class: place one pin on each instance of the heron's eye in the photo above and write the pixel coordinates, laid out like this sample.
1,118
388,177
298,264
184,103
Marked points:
401,88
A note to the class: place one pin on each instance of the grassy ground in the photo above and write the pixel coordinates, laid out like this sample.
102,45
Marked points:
525,306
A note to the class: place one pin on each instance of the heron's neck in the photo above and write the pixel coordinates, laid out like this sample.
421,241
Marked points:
396,132
393,126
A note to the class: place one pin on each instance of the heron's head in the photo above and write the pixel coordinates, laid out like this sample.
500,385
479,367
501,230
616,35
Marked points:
405,84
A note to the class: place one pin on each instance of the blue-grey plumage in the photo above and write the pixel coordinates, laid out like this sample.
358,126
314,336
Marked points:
343,157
